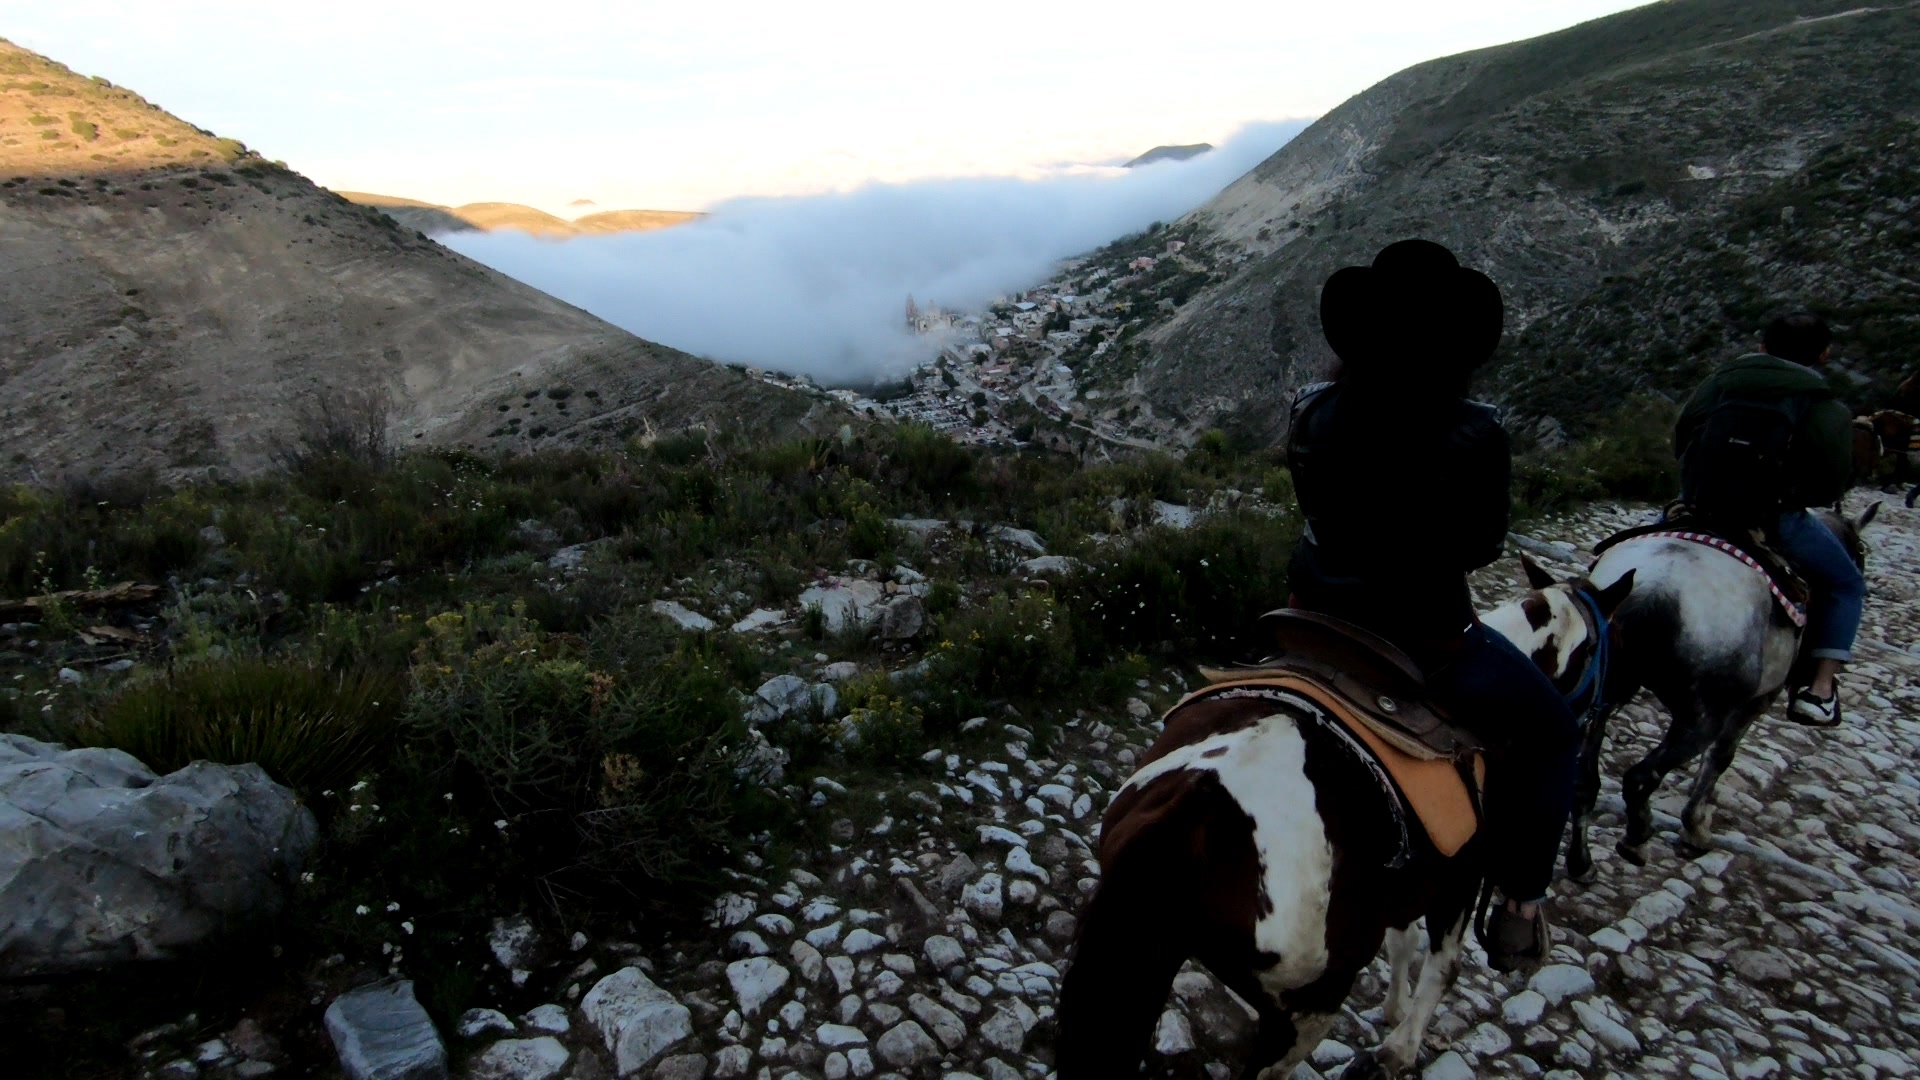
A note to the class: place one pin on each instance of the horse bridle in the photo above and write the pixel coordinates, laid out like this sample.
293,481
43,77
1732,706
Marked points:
1594,678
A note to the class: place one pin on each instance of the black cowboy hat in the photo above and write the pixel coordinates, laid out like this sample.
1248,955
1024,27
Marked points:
1415,304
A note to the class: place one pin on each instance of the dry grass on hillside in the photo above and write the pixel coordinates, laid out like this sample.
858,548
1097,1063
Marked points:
55,122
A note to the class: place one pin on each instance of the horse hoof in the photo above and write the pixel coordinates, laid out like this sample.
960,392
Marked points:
1692,847
1582,873
1633,853
1365,1065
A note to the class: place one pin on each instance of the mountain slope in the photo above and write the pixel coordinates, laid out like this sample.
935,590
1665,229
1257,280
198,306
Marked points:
434,219
173,300
1570,167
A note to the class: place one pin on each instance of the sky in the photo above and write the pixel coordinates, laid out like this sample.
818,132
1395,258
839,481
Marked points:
687,105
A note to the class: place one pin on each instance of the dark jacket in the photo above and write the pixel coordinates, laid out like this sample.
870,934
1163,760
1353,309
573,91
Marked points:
1400,504
1822,469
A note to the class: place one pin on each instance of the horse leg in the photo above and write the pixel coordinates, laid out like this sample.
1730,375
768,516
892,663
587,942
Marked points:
1401,946
1585,792
1396,1055
1684,739
1696,834
1284,1041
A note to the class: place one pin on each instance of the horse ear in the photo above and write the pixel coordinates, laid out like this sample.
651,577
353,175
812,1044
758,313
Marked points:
1867,518
1610,597
1537,578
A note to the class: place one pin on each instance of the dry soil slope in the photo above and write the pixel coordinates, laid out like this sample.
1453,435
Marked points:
1557,164
172,300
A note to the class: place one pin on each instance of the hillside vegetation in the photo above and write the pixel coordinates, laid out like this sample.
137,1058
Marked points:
1646,188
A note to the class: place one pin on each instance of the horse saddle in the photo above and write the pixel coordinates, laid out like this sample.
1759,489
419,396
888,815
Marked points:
1749,545
1379,698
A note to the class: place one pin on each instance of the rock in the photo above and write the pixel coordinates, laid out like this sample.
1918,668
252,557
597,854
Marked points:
521,1059
477,1022
512,942
1051,564
731,1062
755,981
551,1019
1448,1066
861,940
1172,1035
1004,1032
1612,1034
834,1036
984,898
1025,539
841,671
906,1045
634,1018
778,698
1061,926
70,676
682,617
682,1067
1524,1008
945,1025
956,873
844,602
836,1066
1558,982
903,618
944,952
1762,966
102,862
380,1032
570,558
758,620
214,538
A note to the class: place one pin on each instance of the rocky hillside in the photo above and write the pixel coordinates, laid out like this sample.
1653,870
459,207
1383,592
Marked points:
434,219
1644,187
173,300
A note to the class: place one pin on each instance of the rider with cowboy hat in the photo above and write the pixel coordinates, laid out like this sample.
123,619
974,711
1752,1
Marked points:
1404,484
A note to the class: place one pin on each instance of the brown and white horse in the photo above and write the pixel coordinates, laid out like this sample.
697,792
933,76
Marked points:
1699,631
1262,841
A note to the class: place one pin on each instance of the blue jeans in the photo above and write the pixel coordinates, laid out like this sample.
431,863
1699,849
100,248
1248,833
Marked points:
1492,689
1839,589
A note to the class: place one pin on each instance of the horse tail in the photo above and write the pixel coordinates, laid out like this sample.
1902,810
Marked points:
1126,953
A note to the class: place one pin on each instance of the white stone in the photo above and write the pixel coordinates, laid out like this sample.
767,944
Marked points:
836,1066
1524,1008
381,1031
861,941
837,1035
944,952
551,1019
1448,1066
1558,982
860,1061
521,1059
1172,1035
984,898
634,1018
476,1022
906,1045
937,1018
1611,1033
681,617
1611,939
755,981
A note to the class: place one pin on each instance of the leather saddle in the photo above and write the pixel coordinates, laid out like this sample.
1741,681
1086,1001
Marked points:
1379,681
1751,542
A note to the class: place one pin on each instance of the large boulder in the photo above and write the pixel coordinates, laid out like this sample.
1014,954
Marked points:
102,862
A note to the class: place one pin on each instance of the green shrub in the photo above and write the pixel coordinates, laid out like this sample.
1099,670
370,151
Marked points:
309,728
86,129
885,730
1009,648
1628,455
869,535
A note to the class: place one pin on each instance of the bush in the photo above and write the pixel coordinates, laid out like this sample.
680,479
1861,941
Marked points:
1009,648
1629,455
338,425
309,728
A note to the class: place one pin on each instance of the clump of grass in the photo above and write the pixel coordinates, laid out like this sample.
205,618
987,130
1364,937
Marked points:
309,728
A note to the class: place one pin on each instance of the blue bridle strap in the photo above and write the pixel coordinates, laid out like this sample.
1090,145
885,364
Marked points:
1595,677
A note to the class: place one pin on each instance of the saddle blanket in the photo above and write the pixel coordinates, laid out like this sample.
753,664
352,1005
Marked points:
1433,787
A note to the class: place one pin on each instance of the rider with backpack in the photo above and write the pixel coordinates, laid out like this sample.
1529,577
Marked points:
1762,439
1391,537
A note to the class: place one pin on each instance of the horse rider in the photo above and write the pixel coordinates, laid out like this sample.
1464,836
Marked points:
1762,439
1391,536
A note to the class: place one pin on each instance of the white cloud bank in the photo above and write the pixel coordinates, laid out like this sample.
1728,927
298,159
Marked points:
817,285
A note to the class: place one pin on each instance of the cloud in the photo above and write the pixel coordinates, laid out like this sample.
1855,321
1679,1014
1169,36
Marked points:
817,285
